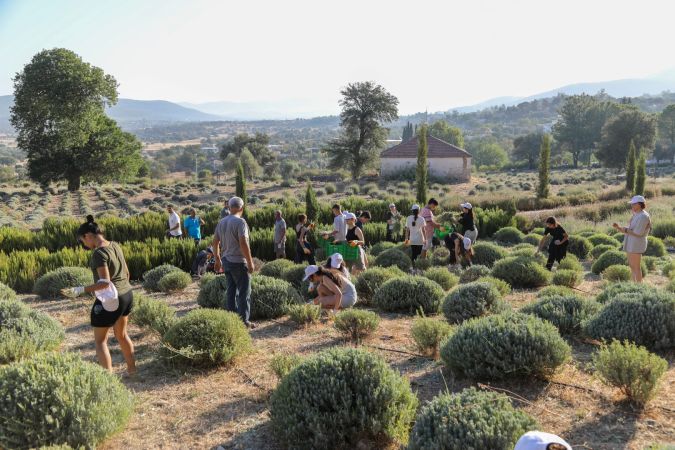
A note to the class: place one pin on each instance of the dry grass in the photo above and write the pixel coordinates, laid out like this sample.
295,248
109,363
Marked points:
186,408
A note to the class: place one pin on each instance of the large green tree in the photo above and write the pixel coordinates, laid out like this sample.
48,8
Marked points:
446,132
422,172
59,115
543,187
631,162
630,124
526,148
257,144
488,154
574,128
667,131
366,106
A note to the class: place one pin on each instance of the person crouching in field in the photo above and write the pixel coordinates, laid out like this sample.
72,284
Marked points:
204,262
635,241
557,249
336,264
333,291
114,297
460,247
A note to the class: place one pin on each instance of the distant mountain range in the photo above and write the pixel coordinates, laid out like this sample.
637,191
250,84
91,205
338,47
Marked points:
135,114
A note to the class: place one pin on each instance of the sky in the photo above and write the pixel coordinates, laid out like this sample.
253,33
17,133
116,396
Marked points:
432,55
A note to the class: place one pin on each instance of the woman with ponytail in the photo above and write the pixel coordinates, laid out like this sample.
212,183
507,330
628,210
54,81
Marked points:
334,292
114,297
414,232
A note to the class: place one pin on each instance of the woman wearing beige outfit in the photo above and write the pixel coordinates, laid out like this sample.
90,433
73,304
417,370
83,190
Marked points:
635,241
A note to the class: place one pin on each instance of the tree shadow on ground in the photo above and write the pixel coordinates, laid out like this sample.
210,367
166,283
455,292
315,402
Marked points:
274,330
611,428
260,436
238,409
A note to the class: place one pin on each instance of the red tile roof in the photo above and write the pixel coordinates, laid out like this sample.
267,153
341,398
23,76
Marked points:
437,149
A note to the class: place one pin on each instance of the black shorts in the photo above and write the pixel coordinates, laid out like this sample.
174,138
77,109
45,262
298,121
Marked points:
102,318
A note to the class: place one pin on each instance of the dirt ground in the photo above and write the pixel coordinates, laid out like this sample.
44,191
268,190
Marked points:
180,408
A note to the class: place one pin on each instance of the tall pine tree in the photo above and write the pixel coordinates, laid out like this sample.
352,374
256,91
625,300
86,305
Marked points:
630,167
240,188
422,175
544,167
407,132
311,203
641,175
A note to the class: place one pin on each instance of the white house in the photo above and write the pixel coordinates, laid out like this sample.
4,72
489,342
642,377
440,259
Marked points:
446,161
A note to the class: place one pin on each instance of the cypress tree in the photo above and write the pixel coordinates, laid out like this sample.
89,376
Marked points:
422,175
240,189
544,166
311,203
630,167
641,175
407,132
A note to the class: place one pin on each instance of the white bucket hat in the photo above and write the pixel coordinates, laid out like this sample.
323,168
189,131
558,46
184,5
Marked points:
108,296
391,205
309,271
637,199
349,216
538,440
466,205
335,260
467,243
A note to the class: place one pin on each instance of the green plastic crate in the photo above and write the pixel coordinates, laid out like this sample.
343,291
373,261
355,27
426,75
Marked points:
348,252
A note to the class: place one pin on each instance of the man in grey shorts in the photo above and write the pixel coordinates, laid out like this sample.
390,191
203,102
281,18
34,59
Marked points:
233,255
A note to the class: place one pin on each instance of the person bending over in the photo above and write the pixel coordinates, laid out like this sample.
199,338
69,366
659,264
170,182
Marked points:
333,291
557,249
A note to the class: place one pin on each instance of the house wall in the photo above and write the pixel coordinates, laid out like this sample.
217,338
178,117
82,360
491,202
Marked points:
458,169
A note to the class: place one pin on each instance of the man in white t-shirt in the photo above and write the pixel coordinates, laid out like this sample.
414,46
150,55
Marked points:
174,230
339,224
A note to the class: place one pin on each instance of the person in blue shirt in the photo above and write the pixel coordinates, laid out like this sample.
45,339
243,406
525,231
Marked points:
193,226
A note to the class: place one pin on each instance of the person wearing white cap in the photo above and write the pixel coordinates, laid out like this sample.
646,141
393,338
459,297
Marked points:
635,241
336,264
538,440
430,225
460,247
334,292
355,238
415,232
393,223
339,225
466,221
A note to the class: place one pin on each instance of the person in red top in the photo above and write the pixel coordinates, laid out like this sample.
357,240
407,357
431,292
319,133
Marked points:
430,224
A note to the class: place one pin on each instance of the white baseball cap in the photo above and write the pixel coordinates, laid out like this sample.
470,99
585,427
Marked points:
391,205
467,243
415,206
309,271
335,260
637,199
466,205
538,440
349,216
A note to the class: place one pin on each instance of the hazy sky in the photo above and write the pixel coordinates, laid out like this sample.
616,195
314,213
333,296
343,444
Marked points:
430,54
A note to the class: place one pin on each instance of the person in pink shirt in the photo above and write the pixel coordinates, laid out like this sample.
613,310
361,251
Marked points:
430,224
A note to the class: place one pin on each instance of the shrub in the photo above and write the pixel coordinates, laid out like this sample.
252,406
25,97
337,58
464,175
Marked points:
275,268
6,293
598,250
532,239
603,239
442,276
360,397
470,419
579,246
207,337
472,300
502,286
669,269
611,258
565,277
270,297
281,365
422,264
378,248
612,291
566,312
151,277
394,257
49,285
294,275
570,262
655,247
664,228
429,333
372,279
174,281
549,291
521,272
356,323
617,273
651,262
645,318
56,399
487,254
304,314
409,293
151,313
24,331
212,291
440,256
631,368
520,345
472,273
509,236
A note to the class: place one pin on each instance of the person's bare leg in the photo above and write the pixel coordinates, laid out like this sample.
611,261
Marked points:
102,352
634,260
327,302
127,347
